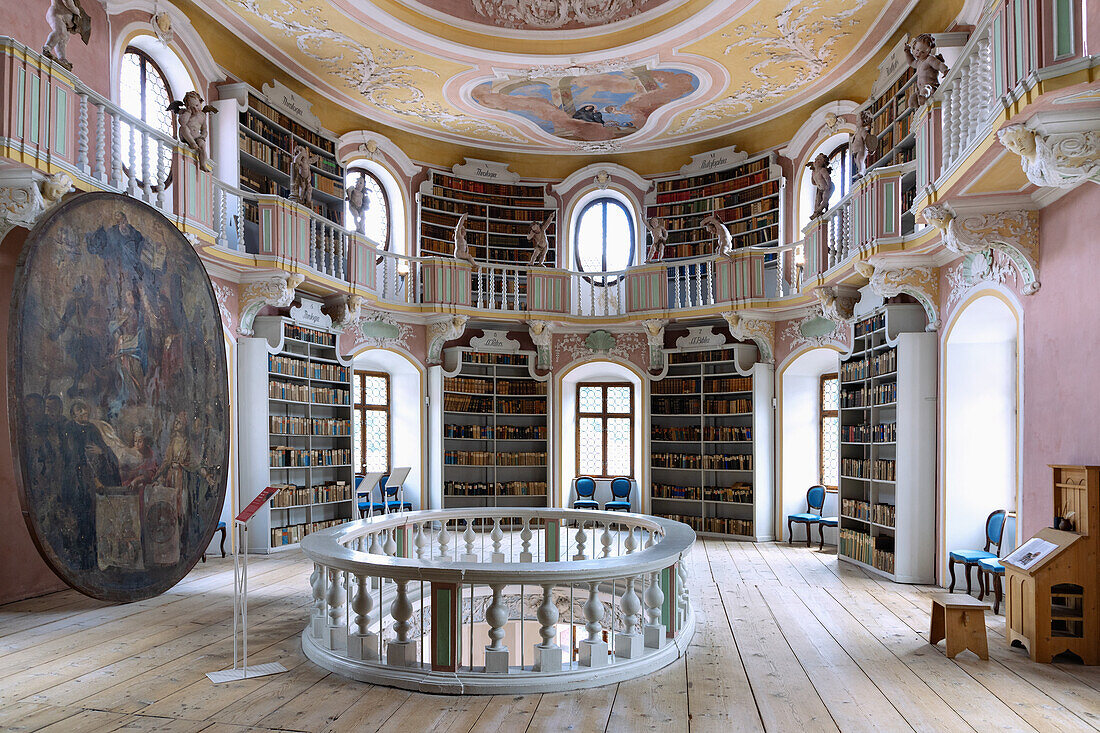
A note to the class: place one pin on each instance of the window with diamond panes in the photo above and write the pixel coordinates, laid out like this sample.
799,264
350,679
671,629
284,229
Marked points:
143,92
605,430
830,430
371,396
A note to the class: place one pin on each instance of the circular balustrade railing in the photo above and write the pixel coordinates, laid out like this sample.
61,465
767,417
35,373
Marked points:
498,601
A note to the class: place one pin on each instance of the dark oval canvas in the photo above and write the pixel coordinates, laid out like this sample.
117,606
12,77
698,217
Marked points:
118,397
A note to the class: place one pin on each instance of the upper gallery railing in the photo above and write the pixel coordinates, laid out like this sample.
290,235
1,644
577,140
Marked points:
495,600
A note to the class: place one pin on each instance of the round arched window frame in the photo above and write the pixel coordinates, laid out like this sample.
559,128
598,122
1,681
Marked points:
149,109
604,205
380,189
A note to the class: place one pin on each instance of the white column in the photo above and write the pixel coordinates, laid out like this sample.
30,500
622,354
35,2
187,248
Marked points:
496,616
548,653
593,650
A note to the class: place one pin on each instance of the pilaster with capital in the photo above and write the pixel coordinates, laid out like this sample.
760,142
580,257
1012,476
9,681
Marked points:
440,332
277,291
542,335
921,282
759,331
655,336
1013,233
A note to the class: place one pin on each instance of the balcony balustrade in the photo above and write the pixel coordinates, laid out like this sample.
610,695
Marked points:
499,601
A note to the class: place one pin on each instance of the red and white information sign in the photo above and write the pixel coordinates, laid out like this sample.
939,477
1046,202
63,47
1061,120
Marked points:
256,503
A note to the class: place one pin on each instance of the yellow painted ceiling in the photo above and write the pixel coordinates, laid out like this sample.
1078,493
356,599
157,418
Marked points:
620,89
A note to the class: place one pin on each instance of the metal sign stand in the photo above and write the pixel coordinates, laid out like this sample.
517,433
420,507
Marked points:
240,618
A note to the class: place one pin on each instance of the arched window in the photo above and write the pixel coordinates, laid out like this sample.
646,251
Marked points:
841,163
604,237
375,224
144,93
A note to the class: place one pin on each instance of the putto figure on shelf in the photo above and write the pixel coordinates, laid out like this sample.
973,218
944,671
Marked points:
191,118
538,240
462,249
927,65
717,231
864,142
65,17
821,175
359,202
301,177
659,232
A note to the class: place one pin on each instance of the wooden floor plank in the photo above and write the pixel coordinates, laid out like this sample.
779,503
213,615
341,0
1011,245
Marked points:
437,713
370,712
656,702
585,710
507,714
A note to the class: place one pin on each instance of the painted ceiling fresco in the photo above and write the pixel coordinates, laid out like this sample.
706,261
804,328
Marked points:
488,72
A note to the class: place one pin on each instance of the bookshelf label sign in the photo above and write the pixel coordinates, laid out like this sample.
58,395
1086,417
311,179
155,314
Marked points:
291,103
309,313
496,341
715,160
700,337
485,170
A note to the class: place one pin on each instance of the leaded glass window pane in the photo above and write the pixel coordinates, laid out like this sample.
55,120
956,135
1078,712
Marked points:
829,395
357,450
376,220
144,93
618,399
375,391
830,430
591,446
591,399
376,432
618,446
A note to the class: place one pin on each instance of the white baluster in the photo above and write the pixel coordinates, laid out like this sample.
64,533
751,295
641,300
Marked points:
160,174
481,287
317,610
676,302
593,650
402,651
99,162
497,536
82,133
682,600
470,538
605,540
577,281
496,615
712,265
116,151
422,542
548,653
131,185
515,290
337,633
699,284
654,597
630,544
581,539
223,225
630,644
525,538
362,644
239,221
146,171
592,298
445,542
948,126
375,548
390,546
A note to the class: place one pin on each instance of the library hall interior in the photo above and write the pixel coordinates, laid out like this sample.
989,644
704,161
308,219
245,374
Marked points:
509,366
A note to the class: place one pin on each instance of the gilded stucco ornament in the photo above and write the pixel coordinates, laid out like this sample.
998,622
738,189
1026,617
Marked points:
1058,160
921,282
759,331
276,291
440,332
542,333
1013,233
837,303
654,329
345,311
25,195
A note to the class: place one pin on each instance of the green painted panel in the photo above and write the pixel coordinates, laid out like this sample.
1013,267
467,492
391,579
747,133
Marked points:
265,231
20,109
441,626
887,208
61,121
1063,28
1020,35
36,85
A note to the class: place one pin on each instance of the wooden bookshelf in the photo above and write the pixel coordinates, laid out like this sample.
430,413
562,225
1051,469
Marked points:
499,217
296,431
709,437
887,445
495,444
266,138
745,196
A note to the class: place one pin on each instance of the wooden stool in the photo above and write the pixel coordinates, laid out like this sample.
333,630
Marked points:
961,620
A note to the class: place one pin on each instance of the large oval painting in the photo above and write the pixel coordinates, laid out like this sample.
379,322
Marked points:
118,397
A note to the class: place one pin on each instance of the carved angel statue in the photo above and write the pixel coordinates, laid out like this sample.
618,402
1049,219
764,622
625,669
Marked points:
717,230
822,178
65,17
301,177
537,237
864,142
659,233
462,249
359,202
191,119
927,66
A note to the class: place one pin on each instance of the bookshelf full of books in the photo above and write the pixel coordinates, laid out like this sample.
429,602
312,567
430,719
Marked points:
745,196
887,445
495,442
295,419
710,428
266,137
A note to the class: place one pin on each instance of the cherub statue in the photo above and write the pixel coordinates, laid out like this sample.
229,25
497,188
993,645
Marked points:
864,142
537,237
462,249
191,119
65,17
927,66
659,232
359,202
301,177
716,229
822,178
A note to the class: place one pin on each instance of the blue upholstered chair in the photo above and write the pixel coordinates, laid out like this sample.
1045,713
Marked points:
815,499
219,528
389,496
990,566
821,525
620,495
365,503
586,493
994,534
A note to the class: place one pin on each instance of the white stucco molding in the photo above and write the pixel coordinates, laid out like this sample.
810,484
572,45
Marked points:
368,144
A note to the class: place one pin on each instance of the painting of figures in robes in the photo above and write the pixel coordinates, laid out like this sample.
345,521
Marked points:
118,397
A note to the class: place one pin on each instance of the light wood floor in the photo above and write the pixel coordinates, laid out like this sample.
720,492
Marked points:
788,641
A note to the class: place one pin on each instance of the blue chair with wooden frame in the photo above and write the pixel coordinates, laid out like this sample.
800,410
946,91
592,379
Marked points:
815,499
366,505
585,487
389,495
996,570
620,495
821,525
220,528
994,535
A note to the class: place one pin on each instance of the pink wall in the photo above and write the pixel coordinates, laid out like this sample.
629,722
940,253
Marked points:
91,63
1061,352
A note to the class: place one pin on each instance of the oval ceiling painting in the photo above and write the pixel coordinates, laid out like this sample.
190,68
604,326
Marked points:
118,397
